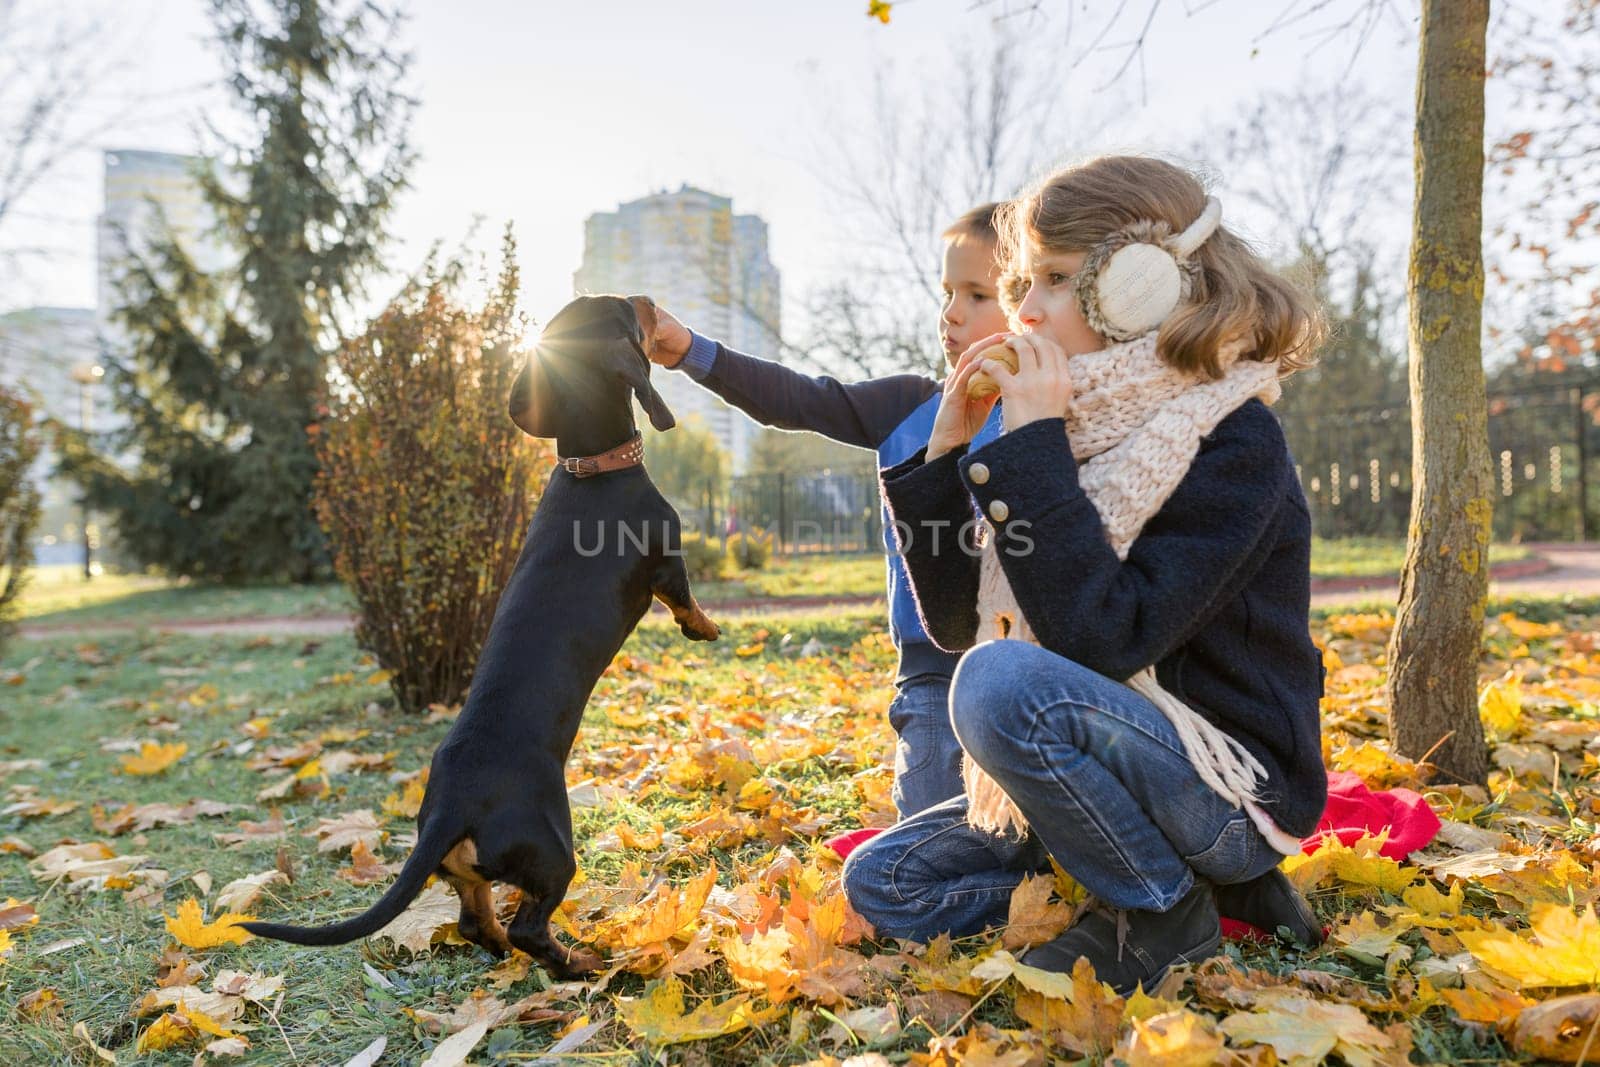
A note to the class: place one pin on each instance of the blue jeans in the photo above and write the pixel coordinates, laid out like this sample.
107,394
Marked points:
1105,785
927,756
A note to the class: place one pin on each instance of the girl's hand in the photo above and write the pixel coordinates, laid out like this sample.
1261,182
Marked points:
1041,388
960,416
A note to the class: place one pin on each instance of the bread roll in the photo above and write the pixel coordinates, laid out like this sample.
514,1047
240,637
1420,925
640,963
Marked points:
980,384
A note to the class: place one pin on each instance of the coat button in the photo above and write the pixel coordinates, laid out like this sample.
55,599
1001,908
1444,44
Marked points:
978,473
998,510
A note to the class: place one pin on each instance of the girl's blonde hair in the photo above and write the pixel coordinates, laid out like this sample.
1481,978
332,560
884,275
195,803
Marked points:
1235,295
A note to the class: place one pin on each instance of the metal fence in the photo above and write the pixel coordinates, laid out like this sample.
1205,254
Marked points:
1354,465
803,513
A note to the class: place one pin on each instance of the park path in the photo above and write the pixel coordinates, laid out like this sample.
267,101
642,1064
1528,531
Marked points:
1572,569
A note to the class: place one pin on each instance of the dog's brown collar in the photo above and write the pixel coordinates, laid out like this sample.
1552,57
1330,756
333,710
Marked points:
629,453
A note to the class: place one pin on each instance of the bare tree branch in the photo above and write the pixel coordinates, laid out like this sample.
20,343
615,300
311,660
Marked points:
55,65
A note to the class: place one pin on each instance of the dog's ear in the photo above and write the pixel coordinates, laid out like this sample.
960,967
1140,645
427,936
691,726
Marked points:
523,402
635,370
644,310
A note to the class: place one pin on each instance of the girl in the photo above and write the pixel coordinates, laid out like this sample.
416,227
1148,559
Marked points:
1139,698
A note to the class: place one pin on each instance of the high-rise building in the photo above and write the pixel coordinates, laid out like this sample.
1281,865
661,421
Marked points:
51,354
143,190
40,349
707,265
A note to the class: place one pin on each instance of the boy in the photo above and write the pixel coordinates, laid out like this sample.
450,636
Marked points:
893,416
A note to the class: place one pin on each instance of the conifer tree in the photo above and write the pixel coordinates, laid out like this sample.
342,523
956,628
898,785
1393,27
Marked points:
218,370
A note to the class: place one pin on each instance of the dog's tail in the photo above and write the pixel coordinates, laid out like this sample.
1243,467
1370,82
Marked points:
435,841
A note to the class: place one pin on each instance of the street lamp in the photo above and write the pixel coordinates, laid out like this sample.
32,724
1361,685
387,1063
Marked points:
86,374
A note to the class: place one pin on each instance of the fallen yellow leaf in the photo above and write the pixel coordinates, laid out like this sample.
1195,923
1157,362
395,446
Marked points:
190,929
660,1018
153,758
1563,951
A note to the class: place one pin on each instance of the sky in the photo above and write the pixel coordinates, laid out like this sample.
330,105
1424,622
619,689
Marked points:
541,112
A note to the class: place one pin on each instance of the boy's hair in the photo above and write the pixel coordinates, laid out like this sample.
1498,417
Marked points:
978,223
1236,294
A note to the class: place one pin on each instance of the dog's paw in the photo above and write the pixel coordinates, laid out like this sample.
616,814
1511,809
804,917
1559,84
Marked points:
701,628
580,964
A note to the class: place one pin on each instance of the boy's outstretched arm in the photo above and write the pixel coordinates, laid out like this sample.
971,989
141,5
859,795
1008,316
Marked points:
856,413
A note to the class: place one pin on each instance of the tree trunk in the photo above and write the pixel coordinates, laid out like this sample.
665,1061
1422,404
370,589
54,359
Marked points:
1433,654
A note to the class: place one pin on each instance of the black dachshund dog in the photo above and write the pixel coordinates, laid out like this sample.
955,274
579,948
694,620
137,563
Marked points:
602,543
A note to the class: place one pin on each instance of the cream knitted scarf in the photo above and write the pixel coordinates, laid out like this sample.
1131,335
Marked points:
1135,426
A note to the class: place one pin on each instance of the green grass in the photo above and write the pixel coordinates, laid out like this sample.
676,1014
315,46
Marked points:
73,696
800,576
60,595
1372,557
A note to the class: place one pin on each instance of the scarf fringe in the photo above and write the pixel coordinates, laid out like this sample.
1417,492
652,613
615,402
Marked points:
1175,412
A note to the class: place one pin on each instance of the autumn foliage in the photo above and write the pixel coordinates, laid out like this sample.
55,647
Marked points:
19,500
426,487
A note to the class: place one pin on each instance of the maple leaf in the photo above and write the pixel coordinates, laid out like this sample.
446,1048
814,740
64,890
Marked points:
1564,949
191,998
154,758
1494,1006
455,1049
240,893
1301,1029
1371,938
879,9
479,1007
14,914
1563,1028
255,987
346,830
92,865
406,803
1033,918
664,914
660,1018
1172,1039
762,963
431,917
149,816
190,929
1500,708
1359,864
1080,1011
365,867
42,1005
179,1028
272,830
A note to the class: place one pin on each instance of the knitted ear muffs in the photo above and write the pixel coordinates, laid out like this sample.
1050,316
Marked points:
1135,278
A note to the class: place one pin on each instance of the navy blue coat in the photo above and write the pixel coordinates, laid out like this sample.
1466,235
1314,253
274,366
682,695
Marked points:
1215,591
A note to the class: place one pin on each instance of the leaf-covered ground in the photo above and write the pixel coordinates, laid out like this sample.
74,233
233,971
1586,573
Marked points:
151,789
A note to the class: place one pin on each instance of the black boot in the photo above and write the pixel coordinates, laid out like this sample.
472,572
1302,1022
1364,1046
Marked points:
1273,904
1147,944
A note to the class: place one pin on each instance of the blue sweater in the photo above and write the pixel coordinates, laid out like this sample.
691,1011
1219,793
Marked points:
1215,592
892,415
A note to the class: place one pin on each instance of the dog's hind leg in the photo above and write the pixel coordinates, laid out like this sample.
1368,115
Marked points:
530,931
478,922
670,585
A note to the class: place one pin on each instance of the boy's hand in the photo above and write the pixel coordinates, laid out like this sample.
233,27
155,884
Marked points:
961,416
1041,388
670,343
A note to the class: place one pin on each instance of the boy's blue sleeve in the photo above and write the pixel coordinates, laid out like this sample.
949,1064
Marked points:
934,524
856,413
